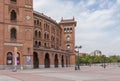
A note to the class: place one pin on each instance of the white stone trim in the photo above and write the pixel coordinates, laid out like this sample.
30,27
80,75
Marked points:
13,26
28,6
13,44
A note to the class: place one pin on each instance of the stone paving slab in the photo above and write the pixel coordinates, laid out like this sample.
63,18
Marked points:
72,77
7,78
94,73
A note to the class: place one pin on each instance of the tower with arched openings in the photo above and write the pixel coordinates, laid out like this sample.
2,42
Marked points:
39,39
16,30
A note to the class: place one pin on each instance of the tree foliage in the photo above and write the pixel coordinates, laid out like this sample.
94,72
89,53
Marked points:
88,59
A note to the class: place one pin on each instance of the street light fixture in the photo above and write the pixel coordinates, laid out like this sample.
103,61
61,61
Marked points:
78,64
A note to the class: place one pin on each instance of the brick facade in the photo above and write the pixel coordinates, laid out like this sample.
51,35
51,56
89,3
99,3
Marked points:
40,41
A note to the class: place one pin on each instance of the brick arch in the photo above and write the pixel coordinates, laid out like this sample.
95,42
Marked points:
56,61
9,58
35,60
62,61
37,33
13,8
47,60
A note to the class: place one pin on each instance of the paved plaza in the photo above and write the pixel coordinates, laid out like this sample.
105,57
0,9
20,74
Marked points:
87,73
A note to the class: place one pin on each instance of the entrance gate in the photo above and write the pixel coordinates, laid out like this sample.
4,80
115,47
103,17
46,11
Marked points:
35,60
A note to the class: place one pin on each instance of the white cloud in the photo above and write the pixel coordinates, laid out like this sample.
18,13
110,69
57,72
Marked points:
98,21
118,1
91,2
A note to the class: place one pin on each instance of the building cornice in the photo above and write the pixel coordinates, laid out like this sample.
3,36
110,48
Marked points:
41,15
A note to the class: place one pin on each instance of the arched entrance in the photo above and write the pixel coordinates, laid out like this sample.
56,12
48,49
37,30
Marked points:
66,61
47,61
9,58
62,61
56,61
35,60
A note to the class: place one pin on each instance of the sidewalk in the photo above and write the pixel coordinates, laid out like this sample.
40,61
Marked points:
7,78
93,73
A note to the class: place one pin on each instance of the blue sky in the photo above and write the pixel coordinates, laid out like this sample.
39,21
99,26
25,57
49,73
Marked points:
98,22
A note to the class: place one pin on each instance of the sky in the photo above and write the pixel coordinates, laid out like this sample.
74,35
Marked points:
98,22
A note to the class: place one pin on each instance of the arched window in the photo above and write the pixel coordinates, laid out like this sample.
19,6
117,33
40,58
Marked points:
35,43
68,47
13,0
40,24
36,33
64,29
39,34
44,26
13,15
45,44
47,36
39,43
68,38
67,29
37,22
52,38
13,33
9,58
70,29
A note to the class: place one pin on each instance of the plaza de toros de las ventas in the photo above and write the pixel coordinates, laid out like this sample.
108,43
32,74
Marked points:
31,39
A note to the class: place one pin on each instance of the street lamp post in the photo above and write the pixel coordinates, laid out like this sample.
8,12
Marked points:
104,62
78,64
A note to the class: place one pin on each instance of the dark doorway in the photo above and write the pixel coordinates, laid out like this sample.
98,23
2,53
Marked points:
35,60
9,58
62,61
56,61
66,61
47,61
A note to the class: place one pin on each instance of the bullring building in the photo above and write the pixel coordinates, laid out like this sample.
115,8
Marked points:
34,39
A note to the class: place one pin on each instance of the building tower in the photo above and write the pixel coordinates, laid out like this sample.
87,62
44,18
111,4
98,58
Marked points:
16,31
68,38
